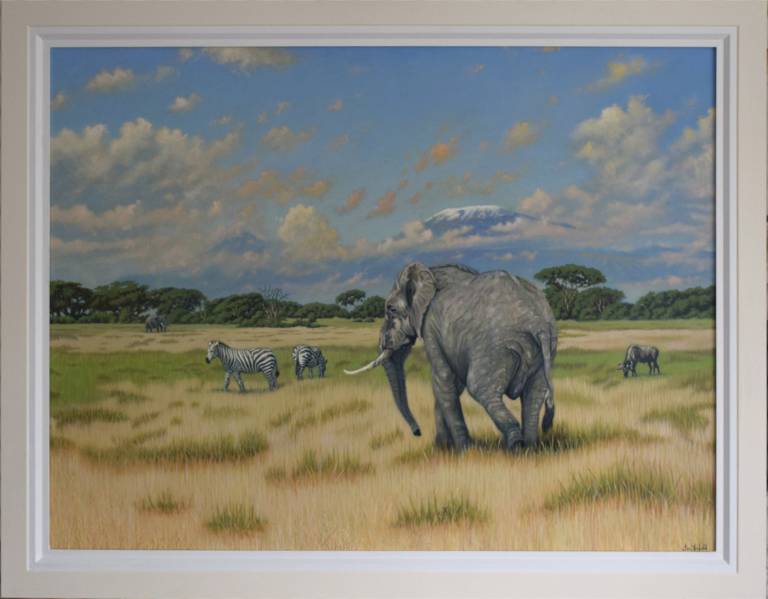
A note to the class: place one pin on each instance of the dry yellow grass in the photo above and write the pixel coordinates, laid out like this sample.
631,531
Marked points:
99,505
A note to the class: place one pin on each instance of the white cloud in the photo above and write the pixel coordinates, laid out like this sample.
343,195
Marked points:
308,237
123,217
184,103
283,139
163,71
249,59
520,134
111,81
617,71
185,54
272,185
282,106
695,152
623,146
59,101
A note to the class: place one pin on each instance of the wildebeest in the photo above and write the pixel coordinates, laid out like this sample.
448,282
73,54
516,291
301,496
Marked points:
155,323
647,354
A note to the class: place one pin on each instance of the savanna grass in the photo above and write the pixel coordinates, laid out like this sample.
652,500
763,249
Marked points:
88,415
685,418
222,412
143,419
124,397
385,439
436,511
162,503
334,465
281,419
641,484
236,518
223,448
61,443
332,412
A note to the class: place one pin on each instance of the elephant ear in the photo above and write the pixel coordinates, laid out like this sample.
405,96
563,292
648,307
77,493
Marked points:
418,285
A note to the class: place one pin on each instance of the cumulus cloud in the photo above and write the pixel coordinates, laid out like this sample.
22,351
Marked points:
223,120
308,236
384,205
163,71
262,117
111,81
695,152
336,106
250,59
622,144
272,185
353,201
141,162
283,139
616,72
184,103
185,54
520,134
123,217
527,255
59,101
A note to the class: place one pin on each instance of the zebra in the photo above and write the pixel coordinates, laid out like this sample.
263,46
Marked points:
646,354
304,356
235,361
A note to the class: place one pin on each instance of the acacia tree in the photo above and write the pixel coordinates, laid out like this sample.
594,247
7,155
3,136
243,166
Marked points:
126,300
592,303
563,284
69,298
273,302
348,299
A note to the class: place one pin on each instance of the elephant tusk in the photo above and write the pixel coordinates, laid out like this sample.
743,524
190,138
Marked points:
379,359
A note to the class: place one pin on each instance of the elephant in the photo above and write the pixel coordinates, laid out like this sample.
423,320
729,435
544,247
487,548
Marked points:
490,333
155,323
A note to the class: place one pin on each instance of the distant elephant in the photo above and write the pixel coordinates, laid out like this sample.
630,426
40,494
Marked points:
155,323
492,333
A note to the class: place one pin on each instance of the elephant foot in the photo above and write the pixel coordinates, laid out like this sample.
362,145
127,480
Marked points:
514,441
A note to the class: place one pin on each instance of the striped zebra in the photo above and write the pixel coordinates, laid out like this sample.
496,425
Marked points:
308,357
235,361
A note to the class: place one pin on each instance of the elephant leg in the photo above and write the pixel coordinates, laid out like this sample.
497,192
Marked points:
448,406
535,395
227,376
488,389
443,437
239,382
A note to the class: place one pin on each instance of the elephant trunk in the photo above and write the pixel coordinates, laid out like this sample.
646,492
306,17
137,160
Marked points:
394,367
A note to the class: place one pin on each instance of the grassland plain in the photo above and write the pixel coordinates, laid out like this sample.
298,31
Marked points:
147,451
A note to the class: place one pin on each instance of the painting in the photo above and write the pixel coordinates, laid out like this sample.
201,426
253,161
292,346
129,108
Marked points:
382,298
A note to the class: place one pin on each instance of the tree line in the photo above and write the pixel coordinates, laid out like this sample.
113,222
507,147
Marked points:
128,302
573,291
576,292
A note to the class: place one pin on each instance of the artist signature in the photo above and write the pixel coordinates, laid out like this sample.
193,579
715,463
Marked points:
695,547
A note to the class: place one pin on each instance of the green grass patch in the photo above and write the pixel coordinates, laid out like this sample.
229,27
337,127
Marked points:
143,419
143,437
223,412
162,503
619,325
223,448
385,439
563,437
124,397
176,404
334,465
435,511
644,484
61,443
88,415
236,518
684,418
176,421
416,455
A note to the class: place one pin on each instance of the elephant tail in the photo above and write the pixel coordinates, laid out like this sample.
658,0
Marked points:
547,344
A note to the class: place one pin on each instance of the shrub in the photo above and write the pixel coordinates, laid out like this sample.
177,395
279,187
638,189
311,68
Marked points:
163,503
435,511
236,518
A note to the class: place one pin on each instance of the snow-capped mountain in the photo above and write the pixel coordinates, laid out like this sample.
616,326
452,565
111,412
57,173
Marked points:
480,219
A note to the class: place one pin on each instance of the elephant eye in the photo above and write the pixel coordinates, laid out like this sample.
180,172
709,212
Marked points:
391,310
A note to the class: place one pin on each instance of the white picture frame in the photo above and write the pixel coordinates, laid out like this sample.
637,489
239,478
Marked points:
735,568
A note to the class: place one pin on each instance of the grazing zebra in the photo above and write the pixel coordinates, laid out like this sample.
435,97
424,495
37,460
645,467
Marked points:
235,361
308,357
646,354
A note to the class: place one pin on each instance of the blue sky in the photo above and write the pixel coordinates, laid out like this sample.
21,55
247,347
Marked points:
317,169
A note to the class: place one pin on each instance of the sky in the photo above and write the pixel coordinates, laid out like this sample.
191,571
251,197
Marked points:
317,170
